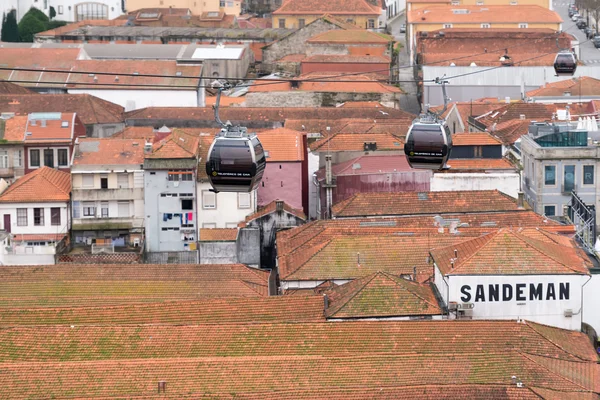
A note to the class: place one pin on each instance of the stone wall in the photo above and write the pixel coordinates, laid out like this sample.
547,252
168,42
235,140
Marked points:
218,253
294,43
317,99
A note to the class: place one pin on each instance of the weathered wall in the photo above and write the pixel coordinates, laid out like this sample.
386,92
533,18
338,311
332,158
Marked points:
339,68
248,245
316,99
218,253
268,226
281,181
293,44
507,183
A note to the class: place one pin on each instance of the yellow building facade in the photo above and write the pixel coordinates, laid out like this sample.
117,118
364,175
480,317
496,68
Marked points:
231,7
292,21
419,4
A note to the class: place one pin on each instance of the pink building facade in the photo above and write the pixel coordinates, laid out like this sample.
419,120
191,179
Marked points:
282,181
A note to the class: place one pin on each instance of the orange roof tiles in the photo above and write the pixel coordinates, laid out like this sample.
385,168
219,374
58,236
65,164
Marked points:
356,142
90,109
325,82
55,237
350,36
333,7
381,295
283,144
40,129
510,131
136,132
474,139
409,203
500,14
457,164
507,252
580,86
67,285
218,235
15,128
109,151
11,88
42,185
344,59
370,164
178,144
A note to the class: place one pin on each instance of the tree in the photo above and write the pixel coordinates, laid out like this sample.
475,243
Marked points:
52,12
10,30
29,26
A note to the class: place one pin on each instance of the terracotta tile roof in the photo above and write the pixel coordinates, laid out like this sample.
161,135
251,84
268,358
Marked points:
14,128
326,83
292,58
462,47
474,139
205,142
432,203
333,7
507,252
59,129
535,111
344,59
381,295
109,151
361,104
580,86
512,130
91,110
11,88
40,186
271,208
362,36
283,144
178,144
244,114
371,164
67,60
503,14
225,101
136,132
68,285
186,312
467,109
356,142
218,235
56,237
471,164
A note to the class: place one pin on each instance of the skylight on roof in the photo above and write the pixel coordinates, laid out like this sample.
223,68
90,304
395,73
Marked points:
460,11
212,14
377,223
148,15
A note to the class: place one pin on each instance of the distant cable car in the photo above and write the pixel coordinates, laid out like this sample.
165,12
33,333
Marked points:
565,63
236,160
429,142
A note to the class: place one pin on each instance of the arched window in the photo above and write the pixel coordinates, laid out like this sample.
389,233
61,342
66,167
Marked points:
91,11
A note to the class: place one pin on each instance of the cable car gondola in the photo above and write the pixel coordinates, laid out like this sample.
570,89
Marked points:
236,160
428,142
565,64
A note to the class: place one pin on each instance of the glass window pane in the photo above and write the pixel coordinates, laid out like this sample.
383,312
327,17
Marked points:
550,175
588,174
34,158
49,158
569,178
63,158
550,211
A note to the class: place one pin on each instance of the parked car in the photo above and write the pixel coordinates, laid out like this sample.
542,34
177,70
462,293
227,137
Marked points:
575,17
403,28
581,24
596,42
590,33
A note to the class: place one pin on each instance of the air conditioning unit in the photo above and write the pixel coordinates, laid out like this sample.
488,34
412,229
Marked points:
464,314
465,306
568,313
452,306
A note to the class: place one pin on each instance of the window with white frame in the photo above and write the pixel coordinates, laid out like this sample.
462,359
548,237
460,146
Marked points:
60,10
123,209
89,209
38,216
123,181
522,25
104,209
487,26
231,225
371,24
63,157
91,11
87,180
18,158
21,217
209,199
55,216
243,200
447,26
3,158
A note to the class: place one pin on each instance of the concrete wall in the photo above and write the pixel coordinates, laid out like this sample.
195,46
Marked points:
313,193
339,68
218,252
156,184
28,259
505,182
294,43
248,242
281,181
227,213
591,299
296,98
136,99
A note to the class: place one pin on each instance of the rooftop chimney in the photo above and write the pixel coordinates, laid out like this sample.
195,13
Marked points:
455,253
279,206
43,123
520,200
147,148
325,301
162,386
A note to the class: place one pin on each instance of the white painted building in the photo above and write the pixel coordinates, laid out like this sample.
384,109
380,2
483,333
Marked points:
223,210
35,217
506,182
137,99
68,10
513,275
108,192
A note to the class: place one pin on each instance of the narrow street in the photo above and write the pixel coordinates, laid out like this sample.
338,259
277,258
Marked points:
587,53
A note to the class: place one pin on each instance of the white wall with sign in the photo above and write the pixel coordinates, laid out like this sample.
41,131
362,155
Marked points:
554,300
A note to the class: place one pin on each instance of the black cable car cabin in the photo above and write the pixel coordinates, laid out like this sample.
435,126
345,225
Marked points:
565,64
428,145
235,164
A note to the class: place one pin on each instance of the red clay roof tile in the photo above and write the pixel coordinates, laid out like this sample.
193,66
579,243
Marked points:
478,164
218,235
362,36
283,144
495,14
474,139
580,86
109,151
40,186
333,7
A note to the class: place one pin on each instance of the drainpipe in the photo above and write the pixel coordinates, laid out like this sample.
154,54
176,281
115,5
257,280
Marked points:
581,308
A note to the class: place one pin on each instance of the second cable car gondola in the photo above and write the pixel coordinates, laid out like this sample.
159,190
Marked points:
428,144
565,63
236,159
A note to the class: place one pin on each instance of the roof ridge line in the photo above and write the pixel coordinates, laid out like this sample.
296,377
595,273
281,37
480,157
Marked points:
52,183
489,237
528,356
358,291
530,326
323,245
411,292
249,285
526,239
